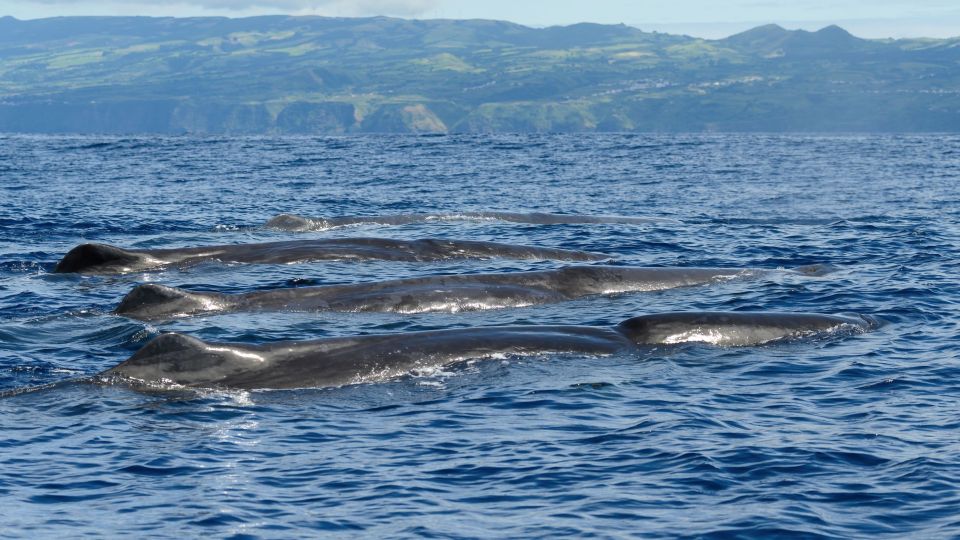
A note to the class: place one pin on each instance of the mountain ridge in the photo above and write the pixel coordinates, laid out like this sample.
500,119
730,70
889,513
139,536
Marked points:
286,74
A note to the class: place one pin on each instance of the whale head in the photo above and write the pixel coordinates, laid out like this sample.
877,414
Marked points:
176,359
101,258
735,329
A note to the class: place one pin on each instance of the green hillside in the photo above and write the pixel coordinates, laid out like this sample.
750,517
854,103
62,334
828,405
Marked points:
331,75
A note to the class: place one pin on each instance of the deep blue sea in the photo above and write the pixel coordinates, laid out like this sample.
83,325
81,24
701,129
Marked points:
856,436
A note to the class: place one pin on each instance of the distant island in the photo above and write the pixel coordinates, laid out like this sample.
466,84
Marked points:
318,75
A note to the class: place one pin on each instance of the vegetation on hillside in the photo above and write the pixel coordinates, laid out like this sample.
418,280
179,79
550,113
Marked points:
331,75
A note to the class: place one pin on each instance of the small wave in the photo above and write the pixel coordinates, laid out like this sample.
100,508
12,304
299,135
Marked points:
58,385
26,267
290,222
220,228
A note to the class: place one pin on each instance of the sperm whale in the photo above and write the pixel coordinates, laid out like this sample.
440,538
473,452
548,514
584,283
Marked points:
176,359
441,293
291,222
106,259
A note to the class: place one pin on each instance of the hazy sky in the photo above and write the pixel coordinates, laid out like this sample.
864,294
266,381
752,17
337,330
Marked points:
705,18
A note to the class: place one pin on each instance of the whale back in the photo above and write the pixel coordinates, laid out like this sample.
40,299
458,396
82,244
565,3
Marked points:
174,359
733,328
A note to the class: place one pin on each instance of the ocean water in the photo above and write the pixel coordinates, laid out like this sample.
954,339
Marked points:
856,436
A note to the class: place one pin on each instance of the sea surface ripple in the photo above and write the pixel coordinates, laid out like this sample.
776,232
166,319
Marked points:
851,437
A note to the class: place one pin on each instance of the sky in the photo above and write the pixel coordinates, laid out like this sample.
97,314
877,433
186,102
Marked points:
701,18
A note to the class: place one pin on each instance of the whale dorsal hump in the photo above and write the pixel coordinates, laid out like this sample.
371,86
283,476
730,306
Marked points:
153,301
183,360
289,222
94,257
166,345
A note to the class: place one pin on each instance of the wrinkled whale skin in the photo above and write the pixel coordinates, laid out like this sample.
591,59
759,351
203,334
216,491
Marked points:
185,361
448,293
106,259
295,223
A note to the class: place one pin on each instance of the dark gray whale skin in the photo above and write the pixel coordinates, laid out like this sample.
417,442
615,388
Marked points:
175,359
449,293
294,223
105,259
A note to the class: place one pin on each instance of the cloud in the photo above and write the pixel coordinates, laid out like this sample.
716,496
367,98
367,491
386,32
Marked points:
340,7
